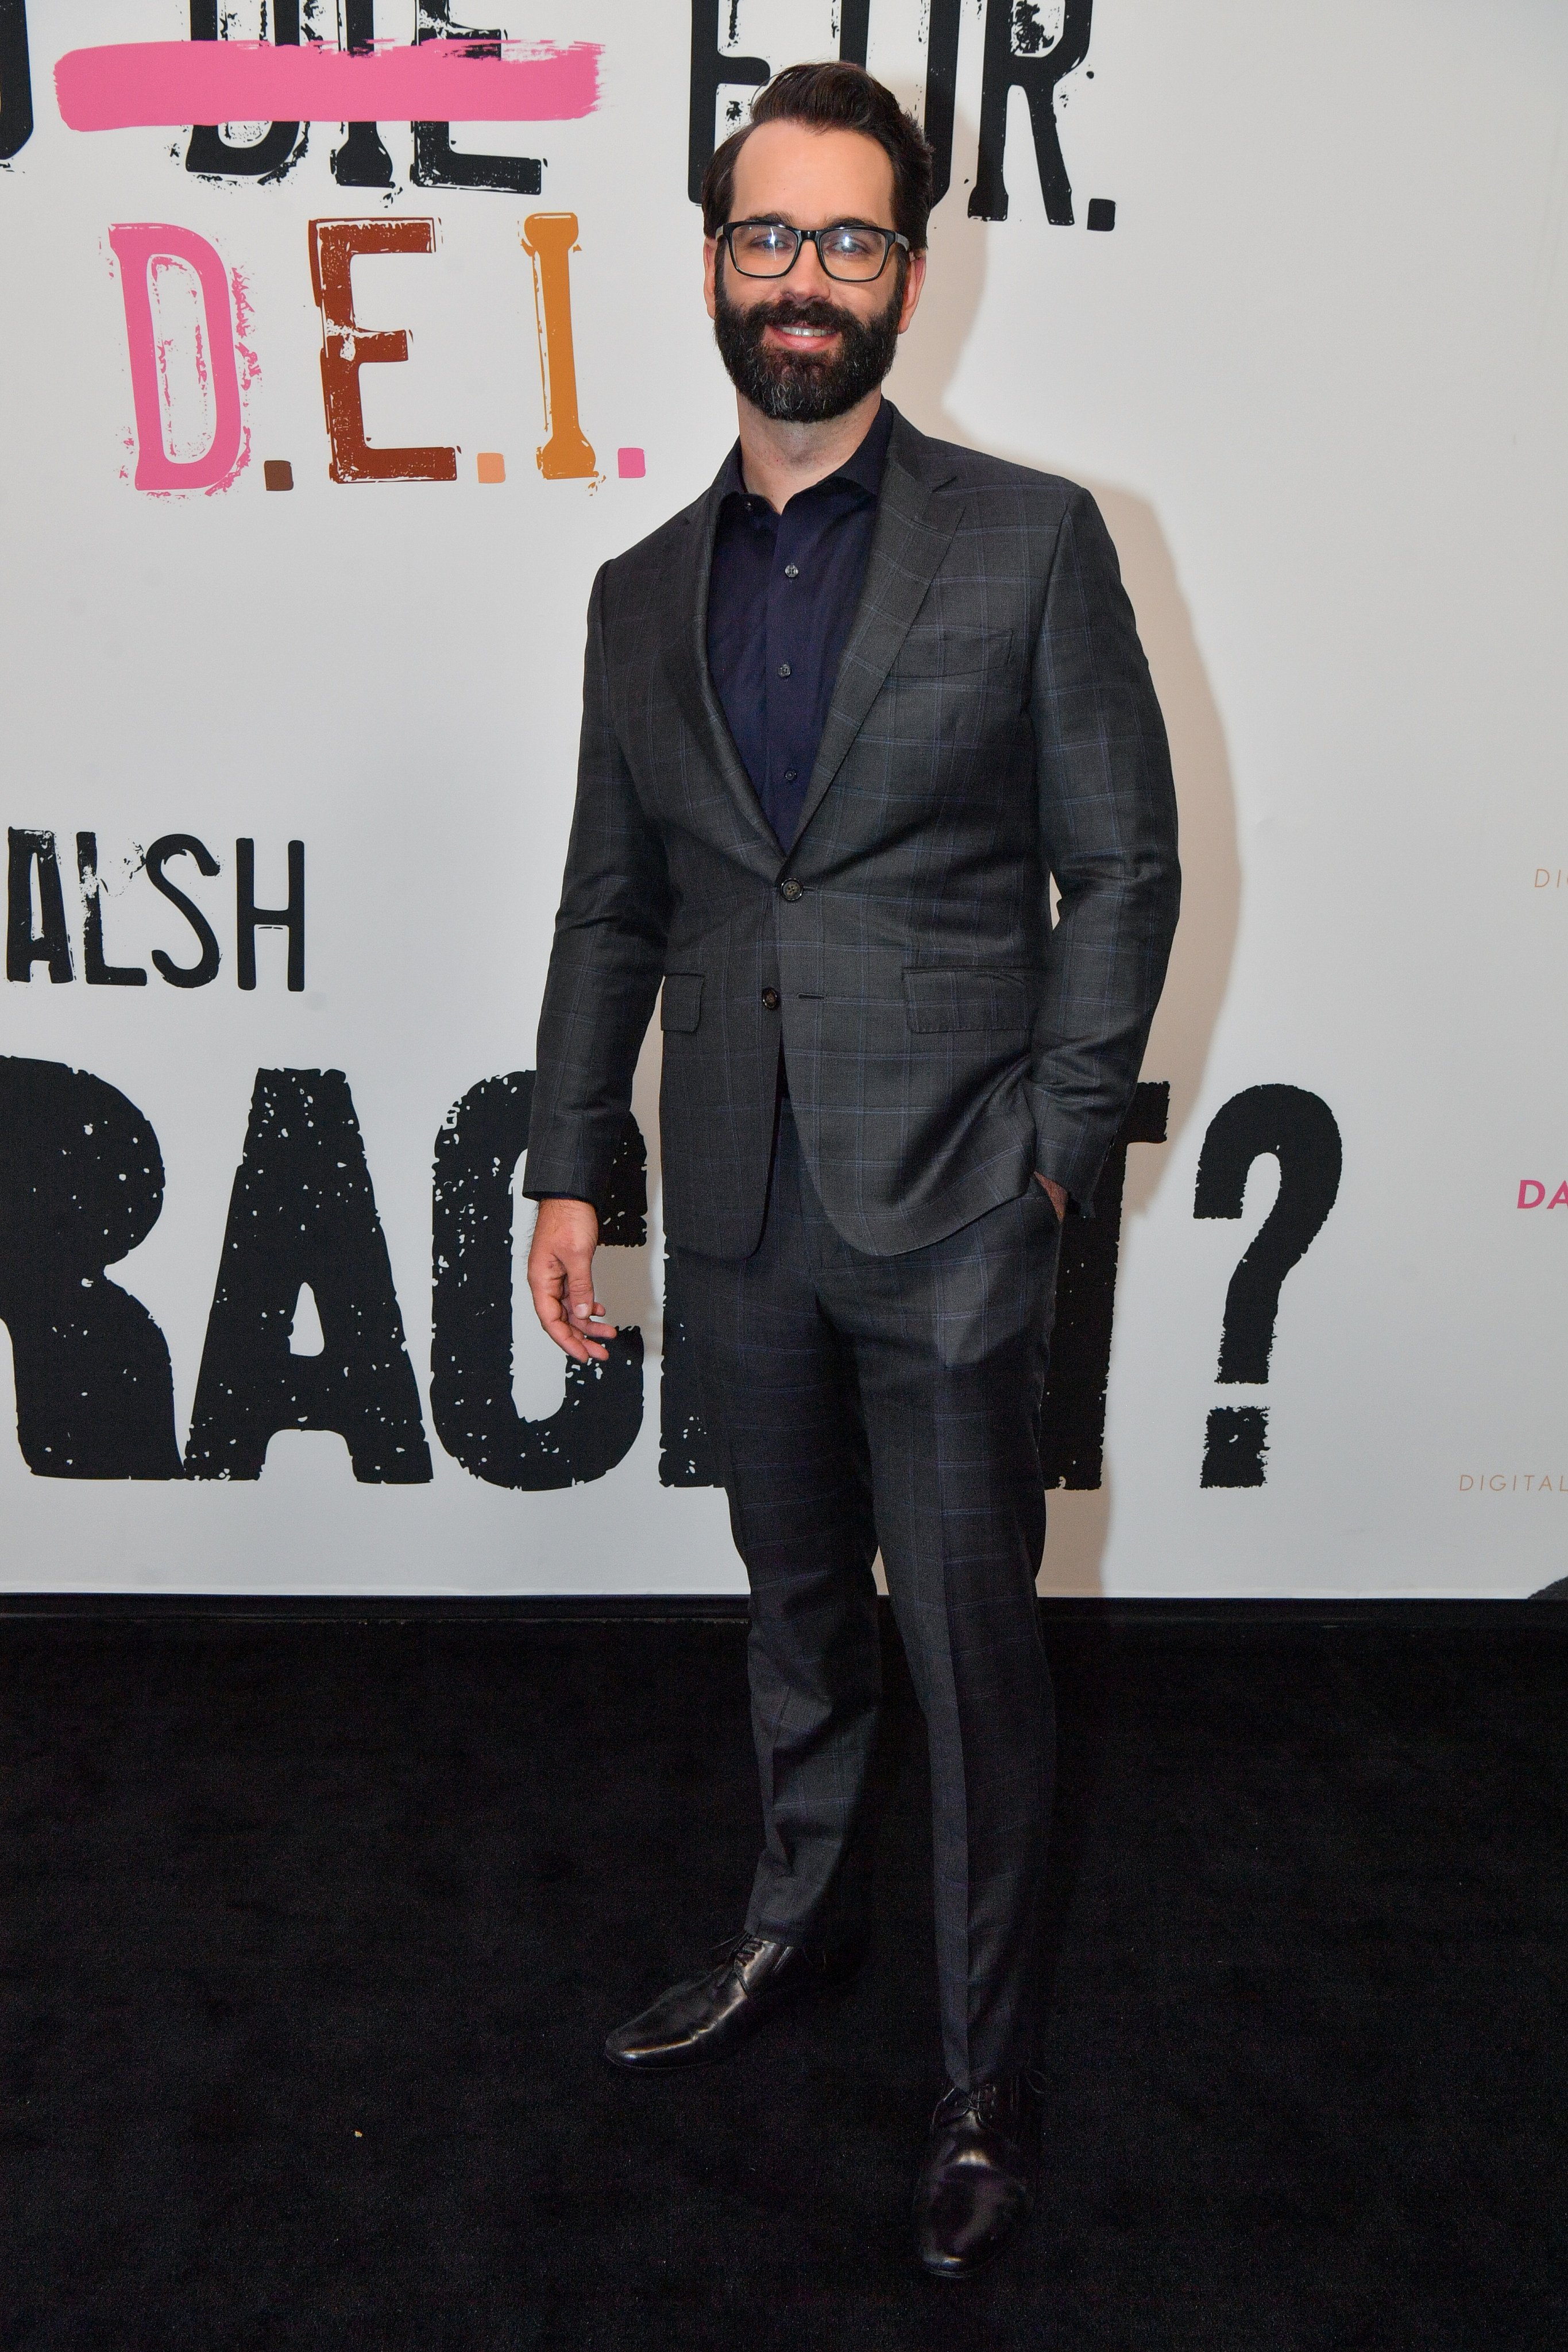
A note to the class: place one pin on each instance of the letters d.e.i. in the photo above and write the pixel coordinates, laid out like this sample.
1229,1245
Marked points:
145,250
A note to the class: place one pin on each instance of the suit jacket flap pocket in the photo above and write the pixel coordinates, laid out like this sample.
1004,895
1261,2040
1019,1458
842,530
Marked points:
936,999
943,653
680,1007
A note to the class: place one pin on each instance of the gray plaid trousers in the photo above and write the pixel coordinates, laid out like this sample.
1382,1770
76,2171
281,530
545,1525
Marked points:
856,1400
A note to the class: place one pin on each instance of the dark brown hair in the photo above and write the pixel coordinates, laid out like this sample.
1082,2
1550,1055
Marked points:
833,97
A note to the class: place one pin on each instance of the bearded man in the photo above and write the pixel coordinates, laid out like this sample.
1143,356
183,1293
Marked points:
846,720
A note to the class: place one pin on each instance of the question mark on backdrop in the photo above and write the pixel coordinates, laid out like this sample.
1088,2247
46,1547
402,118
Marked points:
1303,1135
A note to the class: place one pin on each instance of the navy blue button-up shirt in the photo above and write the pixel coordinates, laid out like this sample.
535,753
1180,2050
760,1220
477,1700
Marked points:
781,601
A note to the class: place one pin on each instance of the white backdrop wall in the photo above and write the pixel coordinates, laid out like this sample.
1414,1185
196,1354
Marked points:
1317,374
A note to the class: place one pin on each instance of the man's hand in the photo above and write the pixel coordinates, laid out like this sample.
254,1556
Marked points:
1058,1198
560,1276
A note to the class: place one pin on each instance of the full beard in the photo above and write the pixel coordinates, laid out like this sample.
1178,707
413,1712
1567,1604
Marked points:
815,387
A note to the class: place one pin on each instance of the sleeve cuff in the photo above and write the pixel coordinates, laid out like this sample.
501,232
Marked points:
1067,1159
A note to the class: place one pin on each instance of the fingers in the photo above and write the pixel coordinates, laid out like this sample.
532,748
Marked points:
585,1313
1056,1194
552,1317
561,1281
574,1322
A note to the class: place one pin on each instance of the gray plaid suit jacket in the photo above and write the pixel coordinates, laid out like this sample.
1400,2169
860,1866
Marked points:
994,726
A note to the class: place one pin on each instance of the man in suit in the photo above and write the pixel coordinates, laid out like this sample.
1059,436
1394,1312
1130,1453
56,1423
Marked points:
845,720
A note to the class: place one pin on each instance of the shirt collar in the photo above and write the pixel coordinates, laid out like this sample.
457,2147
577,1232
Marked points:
865,469
862,471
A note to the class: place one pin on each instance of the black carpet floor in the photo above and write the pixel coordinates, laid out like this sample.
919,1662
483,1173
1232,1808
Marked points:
311,1933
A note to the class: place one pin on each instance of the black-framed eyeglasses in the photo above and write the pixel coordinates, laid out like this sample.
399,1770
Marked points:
765,248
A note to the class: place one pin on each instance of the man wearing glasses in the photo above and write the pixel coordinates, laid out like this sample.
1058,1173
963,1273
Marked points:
846,720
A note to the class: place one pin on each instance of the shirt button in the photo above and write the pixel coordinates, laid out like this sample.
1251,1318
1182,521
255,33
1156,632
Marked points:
792,570
784,669
771,999
792,890
790,775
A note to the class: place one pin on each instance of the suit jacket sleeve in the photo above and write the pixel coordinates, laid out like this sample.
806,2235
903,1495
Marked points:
606,959
1107,825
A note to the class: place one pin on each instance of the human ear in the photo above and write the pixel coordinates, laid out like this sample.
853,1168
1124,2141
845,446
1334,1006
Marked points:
914,279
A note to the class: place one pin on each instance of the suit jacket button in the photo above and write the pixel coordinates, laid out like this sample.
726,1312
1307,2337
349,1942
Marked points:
771,999
792,890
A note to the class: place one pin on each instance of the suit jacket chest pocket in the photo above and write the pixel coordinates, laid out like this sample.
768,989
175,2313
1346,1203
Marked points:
948,686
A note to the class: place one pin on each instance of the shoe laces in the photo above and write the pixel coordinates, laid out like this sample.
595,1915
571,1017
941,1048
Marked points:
736,1950
981,2101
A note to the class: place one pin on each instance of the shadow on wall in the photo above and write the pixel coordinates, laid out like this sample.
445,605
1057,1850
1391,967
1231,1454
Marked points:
1211,898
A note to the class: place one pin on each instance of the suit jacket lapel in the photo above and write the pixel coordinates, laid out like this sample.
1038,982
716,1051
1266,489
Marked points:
908,545
689,679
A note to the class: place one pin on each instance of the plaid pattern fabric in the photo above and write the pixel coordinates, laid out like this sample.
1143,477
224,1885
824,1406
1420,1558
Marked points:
994,725
855,1399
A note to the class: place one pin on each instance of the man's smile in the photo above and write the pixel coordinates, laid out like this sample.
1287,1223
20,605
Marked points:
798,339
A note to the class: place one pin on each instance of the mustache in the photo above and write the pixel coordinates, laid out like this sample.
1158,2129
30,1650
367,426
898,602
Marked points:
790,311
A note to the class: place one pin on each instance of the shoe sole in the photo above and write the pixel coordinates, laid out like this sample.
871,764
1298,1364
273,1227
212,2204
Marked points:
946,2276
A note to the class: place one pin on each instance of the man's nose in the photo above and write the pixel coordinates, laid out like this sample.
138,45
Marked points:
810,277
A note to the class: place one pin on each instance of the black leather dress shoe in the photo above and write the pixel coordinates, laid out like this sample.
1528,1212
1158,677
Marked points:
751,1978
981,2170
